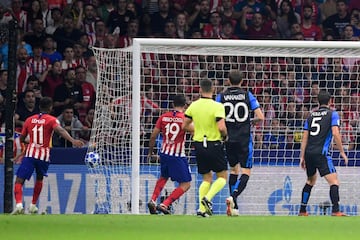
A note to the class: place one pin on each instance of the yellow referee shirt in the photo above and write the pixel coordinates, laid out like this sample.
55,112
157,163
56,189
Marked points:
204,113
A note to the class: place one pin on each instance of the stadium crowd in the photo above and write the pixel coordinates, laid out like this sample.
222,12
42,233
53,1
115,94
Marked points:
54,58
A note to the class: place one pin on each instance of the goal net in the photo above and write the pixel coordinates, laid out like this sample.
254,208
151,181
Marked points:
135,85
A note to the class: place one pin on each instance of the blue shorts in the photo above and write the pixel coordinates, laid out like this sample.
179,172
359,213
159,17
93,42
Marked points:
176,168
29,164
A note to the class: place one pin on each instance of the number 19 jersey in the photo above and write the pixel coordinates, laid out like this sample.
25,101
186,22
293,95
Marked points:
238,107
173,143
40,128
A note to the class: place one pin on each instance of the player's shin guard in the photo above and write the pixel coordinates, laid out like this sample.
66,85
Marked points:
232,181
37,191
176,194
239,187
305,197
334,196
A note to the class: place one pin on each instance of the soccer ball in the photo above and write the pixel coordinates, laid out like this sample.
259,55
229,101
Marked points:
92,159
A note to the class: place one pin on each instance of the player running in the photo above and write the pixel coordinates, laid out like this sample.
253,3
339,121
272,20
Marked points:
319,129
173,161
39,128
239,146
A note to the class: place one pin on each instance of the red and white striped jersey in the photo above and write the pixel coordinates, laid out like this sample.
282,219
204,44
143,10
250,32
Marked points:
66,65
38,66
173,142
39,128
23,72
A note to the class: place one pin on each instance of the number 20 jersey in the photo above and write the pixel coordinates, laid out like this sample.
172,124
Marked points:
173,142
238,107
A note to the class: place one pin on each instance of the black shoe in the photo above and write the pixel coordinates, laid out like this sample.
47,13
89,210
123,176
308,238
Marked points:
162,208
208,205
152,207
202,214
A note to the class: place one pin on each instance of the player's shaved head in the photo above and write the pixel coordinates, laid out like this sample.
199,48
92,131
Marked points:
206,85
324,97
235,77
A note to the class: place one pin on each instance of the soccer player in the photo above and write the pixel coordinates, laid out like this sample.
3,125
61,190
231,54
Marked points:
319,128
208,118
239,147
173,161
39,128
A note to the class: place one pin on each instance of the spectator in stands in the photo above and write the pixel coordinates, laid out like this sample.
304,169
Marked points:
71,124
88,92
111,41
23,69
68,93
91,73
26,109
158,19
310,30
256,29
79,51
182,27
337,22
37,35
227,12
275,138
348,34
38,63
32,84
268,109
19,13
3,86
61,4
49,50
170,30
285,19
69,60
288,118
50,79
119,18
200,15
227,31
88,123
355,21
66,35
56,17
106,7
87,20
46,13
335,75
33,13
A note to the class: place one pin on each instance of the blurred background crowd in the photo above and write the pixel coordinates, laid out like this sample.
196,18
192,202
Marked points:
54,58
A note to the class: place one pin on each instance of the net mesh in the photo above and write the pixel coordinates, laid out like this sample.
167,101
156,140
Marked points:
284,79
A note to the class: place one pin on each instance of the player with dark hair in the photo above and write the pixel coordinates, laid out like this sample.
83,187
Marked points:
319,128
238,105
39,128
208,117
173,161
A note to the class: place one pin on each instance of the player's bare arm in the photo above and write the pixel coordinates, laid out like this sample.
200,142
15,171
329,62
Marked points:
63,133
259,116
152,141
304,142
337,138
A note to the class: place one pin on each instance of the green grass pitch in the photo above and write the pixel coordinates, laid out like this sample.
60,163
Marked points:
177,227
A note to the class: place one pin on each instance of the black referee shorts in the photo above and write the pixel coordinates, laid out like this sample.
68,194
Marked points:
210,158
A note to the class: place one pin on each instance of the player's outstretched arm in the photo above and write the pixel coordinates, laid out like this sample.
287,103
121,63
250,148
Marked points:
337,137
64,134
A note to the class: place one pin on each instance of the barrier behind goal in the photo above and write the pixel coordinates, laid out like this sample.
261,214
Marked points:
136,85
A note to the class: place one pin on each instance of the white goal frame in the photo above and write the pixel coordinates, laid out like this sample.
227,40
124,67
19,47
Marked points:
190,46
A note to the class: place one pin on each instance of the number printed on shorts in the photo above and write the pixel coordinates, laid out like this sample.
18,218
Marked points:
316,125
233,114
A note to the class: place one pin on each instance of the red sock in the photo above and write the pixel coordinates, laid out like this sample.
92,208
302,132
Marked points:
18,192
176,194
158,188
37,191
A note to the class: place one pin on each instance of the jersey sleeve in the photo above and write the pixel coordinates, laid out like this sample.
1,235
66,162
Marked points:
335,119
306,124
220,111
188,112
55,123
218,98
254,104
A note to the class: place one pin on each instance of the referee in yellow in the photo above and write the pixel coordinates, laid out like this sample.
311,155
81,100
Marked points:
208,118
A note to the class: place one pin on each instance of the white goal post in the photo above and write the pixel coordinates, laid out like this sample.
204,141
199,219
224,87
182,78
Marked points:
136,84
